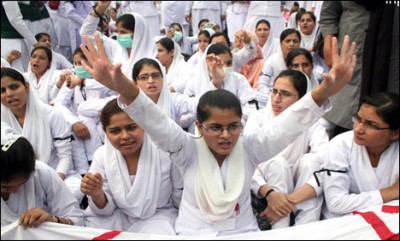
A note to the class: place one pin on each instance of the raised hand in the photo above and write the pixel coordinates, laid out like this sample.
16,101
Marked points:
103,71
215,67
341,72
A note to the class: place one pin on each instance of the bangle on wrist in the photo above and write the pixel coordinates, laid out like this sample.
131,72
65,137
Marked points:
269,192
58,219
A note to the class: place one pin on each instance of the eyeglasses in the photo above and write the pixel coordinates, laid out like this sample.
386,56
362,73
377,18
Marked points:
367,124
282,93
145,77
217,129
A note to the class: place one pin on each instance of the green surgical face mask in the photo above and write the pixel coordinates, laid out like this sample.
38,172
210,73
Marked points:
177,36
82,73
125,40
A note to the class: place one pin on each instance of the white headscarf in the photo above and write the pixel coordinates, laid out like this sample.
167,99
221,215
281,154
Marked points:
36,126
270,47
143,46
138,199
164,100
176,61
47,81
202,79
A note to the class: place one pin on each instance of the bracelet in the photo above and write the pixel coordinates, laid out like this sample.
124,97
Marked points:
58,219
269,192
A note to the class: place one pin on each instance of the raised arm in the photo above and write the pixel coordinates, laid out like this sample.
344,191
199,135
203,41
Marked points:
340,73
102,70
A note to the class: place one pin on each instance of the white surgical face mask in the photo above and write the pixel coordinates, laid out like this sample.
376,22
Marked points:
228,71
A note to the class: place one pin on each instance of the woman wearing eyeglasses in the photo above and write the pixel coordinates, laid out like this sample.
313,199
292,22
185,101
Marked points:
217,167
286,180
364,163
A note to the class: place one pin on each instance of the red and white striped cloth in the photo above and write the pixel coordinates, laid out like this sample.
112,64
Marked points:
379,222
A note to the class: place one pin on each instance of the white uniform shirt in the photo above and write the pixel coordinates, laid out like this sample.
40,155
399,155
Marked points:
258,146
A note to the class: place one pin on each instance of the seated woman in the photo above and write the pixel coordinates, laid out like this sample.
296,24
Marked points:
178,72
77,89
42,124
286,180
289,40
361,166
218,166
178,35
266,41
215,71
31,191
203,38
42,75
130,181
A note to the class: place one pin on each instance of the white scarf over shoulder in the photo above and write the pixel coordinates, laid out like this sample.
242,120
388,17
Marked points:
36,126
46,83
270,47
173,70
143,46
387,171
139,199
215,202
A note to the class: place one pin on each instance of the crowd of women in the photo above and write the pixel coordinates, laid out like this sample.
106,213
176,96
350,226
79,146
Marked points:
179,135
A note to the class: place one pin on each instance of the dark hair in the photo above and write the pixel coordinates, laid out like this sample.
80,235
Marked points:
109,110
217,34
218,48
79,51
177,24
201,21
13,74
287,32
387,107
127,21
263,21
167,43
39,35
221,99
205,33
296,52
18,161
298,79
300,14
139,65
47,50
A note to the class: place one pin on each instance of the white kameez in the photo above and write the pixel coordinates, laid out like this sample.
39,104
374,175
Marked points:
150,12
212,10
358,188
42,125
44,189
68,100
143,205
272,68
236,14
179,71
258,146
293,167
269,10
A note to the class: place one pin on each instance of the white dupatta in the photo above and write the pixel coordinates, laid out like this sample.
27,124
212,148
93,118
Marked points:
36,126
143,46
215,202
138,199
387,171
